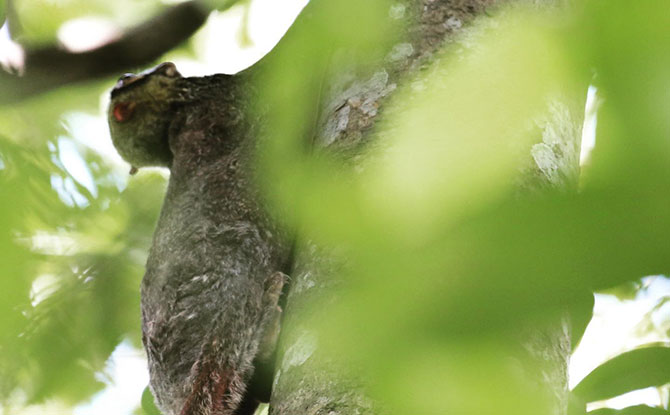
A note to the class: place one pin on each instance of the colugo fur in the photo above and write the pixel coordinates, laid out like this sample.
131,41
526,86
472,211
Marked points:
214,275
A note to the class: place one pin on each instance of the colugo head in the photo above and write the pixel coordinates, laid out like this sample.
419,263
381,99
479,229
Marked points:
140,112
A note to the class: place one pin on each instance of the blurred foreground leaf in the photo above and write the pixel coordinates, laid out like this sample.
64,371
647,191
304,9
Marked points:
631,410
436,242
441,250
426,375
41,21
627,48
459,144
580,317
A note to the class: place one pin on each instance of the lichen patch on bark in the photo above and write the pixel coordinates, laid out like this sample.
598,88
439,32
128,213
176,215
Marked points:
300,351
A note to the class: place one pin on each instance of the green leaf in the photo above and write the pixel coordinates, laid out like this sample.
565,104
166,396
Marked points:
580,316
576,405
631,410
637,369
222,5
148,405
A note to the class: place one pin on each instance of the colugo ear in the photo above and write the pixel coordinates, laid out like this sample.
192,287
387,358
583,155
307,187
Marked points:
168,69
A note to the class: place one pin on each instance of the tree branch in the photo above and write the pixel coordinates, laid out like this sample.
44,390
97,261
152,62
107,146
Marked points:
52,67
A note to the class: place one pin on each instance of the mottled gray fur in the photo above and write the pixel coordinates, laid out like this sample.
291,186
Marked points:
212,281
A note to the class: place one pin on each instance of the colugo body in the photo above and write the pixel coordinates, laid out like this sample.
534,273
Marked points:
213,278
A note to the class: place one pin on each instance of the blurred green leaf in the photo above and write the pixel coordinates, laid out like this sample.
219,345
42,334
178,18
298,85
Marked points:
148,405
39,120
423,376
626,291
576,406
41,20
581,314
631,410
222,5
433,230
298,71
458,146
636,369
627,48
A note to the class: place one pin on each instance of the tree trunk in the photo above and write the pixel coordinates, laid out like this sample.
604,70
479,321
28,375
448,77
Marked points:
211,134
303,383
